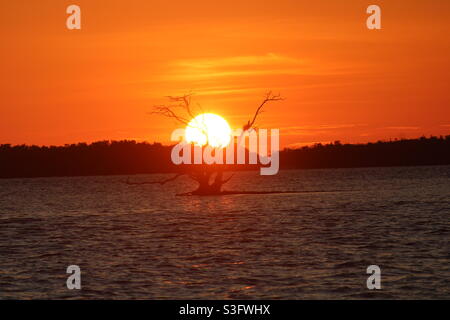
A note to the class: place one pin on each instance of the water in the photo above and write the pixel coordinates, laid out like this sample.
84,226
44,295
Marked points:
143,242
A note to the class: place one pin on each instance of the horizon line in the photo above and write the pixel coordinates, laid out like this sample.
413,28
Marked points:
312,144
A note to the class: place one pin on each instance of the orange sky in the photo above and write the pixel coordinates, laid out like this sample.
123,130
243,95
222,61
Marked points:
341,81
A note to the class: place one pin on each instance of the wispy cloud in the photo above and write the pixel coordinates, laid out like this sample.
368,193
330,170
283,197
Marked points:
209,91
239,61
403,128
309,130
237,66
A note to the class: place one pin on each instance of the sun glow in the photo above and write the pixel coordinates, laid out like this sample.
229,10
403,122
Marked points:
208,128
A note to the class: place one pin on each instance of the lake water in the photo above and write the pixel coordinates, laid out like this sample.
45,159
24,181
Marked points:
143,242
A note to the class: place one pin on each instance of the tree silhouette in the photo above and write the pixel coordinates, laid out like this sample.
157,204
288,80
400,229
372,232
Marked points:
180,109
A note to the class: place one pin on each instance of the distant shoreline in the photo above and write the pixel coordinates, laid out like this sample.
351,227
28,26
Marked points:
112,158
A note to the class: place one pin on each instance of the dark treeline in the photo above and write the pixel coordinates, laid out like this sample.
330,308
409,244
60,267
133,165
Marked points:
131,157
411,152
98,158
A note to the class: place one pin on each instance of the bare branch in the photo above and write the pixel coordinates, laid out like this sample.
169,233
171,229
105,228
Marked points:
269,98
161,182
166,111
183,102
227,179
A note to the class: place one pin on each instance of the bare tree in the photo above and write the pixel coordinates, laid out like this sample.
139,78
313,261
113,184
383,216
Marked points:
202,175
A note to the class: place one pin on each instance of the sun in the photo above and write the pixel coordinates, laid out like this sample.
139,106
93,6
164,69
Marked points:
208,128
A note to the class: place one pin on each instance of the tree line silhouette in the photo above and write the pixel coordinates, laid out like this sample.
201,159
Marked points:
129,157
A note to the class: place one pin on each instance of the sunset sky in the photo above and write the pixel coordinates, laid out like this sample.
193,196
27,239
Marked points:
341,81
